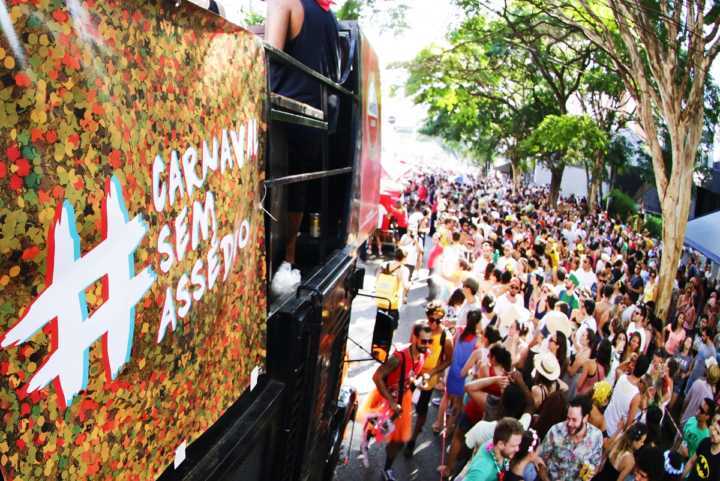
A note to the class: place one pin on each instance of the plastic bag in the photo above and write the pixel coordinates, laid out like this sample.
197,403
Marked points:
285,280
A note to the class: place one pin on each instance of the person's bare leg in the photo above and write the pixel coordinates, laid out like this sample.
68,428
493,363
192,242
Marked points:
293,227
438,424
391,452
456,447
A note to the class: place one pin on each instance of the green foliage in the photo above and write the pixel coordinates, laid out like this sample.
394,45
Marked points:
392,18
254,18
622,204
351,9
654,225
562,140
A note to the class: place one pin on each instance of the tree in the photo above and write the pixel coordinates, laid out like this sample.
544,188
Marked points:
562,140
553,57
603,97
479,90
392,18
663,51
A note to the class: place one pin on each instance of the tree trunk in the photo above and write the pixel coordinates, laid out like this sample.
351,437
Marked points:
516,175
675,205
596,182
556,174
593,195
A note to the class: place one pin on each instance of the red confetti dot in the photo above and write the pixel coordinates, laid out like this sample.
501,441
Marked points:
20,444
3,170
80,439
16,183
60,16
22,80
51,136
30,253
23,167
115,159
24,409
71,61
13,153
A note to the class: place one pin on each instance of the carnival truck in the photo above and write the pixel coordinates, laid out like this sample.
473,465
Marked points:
143,192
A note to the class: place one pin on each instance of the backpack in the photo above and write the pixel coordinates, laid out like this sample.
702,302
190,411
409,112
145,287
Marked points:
388,286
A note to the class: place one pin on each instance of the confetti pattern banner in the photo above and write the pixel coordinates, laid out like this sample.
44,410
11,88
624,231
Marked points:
132,270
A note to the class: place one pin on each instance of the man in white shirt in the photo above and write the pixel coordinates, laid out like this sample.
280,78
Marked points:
585,274
482,262
504,306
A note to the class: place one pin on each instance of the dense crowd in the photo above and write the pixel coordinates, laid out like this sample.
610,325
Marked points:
542,342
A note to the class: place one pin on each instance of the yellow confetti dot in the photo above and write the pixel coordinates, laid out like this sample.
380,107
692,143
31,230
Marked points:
21,202
2,53
14,271
32,367
9,62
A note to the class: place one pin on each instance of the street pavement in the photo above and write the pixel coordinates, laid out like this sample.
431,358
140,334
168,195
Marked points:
423,465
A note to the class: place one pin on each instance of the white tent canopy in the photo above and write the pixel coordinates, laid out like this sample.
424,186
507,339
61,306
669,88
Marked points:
703,235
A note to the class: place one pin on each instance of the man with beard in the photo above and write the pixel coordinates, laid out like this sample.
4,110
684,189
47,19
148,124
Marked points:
572,449
705,464
392,381
494,456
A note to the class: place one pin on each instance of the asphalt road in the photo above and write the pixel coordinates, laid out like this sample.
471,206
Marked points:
423,465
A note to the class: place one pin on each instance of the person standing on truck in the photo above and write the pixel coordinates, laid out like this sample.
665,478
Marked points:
308,31
393,393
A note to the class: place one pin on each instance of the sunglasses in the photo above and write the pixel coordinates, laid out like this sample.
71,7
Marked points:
433,320
426,342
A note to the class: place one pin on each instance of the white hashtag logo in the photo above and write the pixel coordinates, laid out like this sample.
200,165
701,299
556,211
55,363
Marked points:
63,301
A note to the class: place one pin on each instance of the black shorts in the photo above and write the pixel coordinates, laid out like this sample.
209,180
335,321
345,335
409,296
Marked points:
304,155
421,408
464,423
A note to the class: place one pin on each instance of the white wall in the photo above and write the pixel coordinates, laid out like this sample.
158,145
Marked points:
574,180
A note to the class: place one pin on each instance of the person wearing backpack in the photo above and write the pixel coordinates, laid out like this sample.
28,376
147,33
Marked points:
392,284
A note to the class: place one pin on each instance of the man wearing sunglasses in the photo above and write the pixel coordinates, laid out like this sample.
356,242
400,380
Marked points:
437,358
392,381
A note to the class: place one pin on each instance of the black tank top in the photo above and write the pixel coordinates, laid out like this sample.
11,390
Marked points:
317,47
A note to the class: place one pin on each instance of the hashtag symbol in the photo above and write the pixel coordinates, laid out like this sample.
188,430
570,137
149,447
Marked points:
62,305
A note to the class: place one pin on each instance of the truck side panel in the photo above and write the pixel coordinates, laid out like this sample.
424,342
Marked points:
132,272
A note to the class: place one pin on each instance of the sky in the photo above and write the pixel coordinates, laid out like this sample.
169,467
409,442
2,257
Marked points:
430,21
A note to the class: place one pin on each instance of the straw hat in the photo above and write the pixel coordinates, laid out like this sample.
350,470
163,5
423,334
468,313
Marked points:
547,365
558,321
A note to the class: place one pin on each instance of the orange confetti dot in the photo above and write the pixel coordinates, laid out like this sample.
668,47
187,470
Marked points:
14,271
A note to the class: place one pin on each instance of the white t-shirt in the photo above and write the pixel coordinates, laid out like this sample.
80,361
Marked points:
502,306
586,278
414,220
483,431
463,312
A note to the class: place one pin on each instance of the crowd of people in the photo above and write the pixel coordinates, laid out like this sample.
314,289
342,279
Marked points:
542,343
